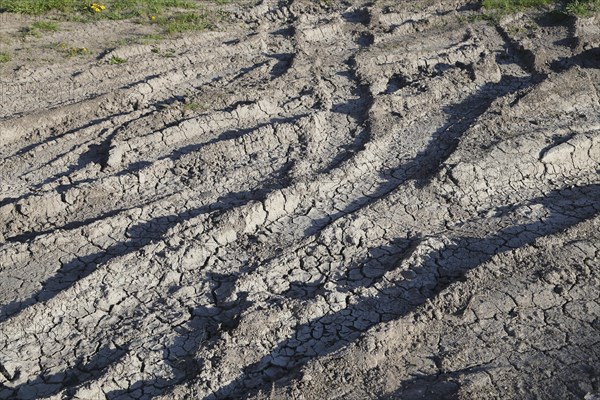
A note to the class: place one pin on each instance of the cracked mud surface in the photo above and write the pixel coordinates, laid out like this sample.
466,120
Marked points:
369,201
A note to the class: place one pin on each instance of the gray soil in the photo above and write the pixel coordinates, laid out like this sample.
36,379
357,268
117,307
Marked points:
346,200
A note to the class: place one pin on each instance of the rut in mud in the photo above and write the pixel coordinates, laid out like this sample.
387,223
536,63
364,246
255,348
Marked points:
364,201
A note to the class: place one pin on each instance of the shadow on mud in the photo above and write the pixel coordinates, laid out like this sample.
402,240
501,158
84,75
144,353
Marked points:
140,235
439,269
324,335
84,370
94,154
428,162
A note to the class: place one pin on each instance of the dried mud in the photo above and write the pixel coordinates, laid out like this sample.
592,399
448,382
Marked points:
359,201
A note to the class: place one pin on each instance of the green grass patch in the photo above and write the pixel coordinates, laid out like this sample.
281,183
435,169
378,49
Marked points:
172,16
36,7
126,9
187,22
572,7
582,8
551,10
45,26
114,9
37,28
512,6
193,106
4,57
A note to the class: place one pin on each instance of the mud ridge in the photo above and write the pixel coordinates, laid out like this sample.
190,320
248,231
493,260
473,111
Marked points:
351,200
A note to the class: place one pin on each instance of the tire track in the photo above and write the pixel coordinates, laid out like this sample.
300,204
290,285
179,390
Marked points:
347,181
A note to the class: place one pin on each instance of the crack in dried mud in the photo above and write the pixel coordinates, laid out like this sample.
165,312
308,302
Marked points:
371,201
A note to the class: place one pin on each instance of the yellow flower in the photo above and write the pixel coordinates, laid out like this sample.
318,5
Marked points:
153,17
97,7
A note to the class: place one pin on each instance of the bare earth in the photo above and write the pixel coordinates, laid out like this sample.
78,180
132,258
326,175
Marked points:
347,200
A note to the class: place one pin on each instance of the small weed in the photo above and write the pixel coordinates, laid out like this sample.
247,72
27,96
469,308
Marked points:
492,18
514,30
114,60
74,51
193,106
527,28
168,53
27,32
4,57
125,42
